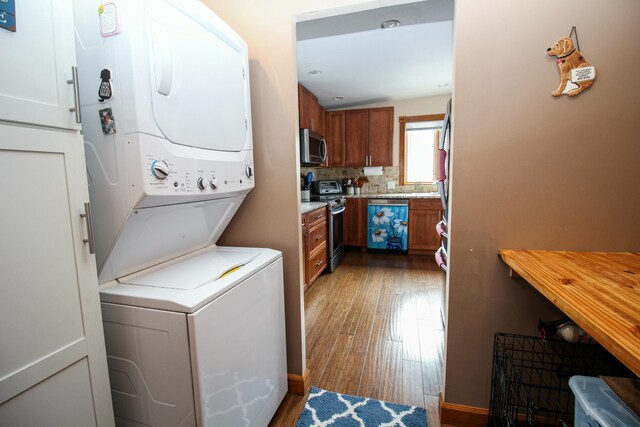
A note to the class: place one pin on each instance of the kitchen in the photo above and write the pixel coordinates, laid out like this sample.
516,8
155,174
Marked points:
374,81
398,300
529,171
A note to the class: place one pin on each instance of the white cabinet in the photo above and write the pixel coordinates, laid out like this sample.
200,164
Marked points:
36,64
53,369
50,323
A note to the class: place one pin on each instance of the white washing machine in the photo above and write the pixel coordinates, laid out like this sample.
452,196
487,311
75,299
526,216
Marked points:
195,333
198,341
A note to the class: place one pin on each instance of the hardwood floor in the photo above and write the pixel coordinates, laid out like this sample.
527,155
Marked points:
374,329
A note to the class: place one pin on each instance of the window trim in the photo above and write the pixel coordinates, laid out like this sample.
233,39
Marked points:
403,121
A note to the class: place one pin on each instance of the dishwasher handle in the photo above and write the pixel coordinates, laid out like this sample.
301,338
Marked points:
388,202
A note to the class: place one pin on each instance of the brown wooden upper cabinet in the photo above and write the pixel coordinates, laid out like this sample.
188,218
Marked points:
381,136
334,137
362,137
368,137
311,113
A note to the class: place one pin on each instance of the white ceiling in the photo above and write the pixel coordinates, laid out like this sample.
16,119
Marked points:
365,64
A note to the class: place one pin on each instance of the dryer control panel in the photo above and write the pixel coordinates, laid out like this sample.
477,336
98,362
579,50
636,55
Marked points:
172,174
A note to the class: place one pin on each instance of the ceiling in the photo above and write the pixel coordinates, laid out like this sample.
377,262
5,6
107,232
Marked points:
365,64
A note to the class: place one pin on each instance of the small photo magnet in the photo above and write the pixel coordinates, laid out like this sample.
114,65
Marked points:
107,122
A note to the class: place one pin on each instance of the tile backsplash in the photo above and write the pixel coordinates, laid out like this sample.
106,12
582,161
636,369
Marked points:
376,184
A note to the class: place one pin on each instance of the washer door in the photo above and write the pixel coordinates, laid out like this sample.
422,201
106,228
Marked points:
200,89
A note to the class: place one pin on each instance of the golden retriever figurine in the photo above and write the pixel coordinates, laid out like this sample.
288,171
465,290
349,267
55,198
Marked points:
569,58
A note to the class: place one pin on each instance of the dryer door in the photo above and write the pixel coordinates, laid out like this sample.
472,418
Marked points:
200,89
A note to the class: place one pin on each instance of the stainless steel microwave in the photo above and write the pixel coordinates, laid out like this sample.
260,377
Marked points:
313,148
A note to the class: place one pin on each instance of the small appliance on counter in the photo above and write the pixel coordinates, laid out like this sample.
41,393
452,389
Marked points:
330,191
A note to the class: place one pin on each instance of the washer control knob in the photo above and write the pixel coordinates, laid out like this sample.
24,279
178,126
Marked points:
248,171
212,183
201,183
160,169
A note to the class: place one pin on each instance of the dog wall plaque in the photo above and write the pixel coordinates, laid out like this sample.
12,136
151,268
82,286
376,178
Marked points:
576,74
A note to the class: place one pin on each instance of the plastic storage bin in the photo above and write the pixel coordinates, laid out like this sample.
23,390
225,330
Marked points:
597,405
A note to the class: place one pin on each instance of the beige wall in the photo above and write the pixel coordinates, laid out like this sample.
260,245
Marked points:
531,170
270,216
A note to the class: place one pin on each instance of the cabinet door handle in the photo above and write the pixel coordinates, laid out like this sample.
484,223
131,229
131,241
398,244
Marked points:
318,237
319,263
89,239
76,94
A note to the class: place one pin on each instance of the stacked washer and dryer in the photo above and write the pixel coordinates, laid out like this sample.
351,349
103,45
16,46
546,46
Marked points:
194,332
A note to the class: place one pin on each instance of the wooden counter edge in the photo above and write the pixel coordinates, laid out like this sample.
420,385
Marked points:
619,351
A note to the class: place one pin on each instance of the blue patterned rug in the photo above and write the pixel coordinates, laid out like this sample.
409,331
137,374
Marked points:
326,408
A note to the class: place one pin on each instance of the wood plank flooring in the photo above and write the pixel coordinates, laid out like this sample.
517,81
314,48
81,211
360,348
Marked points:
374,329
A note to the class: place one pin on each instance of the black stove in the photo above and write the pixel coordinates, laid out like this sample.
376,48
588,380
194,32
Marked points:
330,191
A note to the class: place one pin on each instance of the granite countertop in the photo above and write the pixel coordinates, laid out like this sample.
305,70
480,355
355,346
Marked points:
311,206
307,207
396,196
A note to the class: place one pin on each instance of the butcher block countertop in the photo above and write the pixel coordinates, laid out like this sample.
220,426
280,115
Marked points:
600,291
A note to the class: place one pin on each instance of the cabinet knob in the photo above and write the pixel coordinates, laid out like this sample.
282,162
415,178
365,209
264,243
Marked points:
319,236
319,263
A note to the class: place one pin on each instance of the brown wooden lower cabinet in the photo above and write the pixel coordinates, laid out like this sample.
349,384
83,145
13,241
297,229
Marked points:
355,223
424,215
314,238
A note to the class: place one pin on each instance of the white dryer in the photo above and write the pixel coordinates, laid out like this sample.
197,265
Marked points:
175,161
194,332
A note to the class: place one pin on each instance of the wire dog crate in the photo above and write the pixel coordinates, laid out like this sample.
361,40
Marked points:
530,380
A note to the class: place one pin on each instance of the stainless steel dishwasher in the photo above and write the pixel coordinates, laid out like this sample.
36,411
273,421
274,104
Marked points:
387,225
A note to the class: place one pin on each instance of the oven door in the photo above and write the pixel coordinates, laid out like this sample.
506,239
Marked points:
336,231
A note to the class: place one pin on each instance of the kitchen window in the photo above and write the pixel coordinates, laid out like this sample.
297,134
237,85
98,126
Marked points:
419,136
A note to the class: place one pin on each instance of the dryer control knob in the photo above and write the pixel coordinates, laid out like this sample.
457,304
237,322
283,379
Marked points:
212,183
160,169
248,171
201,183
